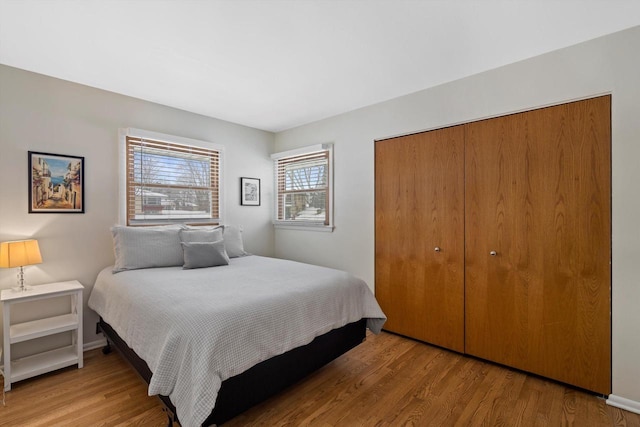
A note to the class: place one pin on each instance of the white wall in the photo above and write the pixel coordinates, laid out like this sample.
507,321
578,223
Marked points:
39,113
606,65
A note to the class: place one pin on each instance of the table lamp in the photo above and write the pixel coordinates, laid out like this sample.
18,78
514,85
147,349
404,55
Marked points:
18,254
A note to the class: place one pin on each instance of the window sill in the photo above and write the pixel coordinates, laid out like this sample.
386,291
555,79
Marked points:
304,227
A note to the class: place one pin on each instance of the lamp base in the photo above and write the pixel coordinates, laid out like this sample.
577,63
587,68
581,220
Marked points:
21,286
21,289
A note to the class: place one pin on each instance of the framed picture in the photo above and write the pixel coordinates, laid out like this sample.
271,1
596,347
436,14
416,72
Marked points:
56,183
249,191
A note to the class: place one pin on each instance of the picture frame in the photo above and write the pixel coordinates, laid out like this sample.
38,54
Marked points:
56,183
249,191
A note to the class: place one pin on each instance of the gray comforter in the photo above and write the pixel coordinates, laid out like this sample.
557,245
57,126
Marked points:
196,328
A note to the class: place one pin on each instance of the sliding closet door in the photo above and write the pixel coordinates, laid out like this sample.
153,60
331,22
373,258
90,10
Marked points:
420,235
538,242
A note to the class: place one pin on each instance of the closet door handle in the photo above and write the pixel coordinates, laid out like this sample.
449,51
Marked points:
437,249
493,253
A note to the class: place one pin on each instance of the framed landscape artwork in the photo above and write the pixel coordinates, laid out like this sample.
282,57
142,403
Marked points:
56,183
249,191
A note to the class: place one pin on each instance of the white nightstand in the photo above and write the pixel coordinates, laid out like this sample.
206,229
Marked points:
27,367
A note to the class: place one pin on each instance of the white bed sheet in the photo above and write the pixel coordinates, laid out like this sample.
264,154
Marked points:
196,328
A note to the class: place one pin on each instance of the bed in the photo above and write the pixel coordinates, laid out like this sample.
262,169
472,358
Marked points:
212,342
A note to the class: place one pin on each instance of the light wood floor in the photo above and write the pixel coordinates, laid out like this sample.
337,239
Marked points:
386,381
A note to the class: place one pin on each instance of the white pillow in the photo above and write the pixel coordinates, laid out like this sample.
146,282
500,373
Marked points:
146,247
233,241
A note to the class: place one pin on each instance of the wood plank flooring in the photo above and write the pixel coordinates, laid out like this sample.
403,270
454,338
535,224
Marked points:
386,381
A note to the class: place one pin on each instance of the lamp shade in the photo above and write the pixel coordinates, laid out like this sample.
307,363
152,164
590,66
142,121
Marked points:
19,253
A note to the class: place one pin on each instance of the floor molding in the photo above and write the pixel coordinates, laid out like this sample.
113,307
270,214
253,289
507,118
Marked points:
623,403
94,344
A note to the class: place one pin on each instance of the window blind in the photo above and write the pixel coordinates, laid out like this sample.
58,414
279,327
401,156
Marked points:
303,188
170,182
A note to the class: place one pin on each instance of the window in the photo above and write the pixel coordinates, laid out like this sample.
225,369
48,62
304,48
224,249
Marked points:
170,180
303,182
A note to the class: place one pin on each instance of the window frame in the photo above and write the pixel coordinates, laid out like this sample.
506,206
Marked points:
124,134
328,224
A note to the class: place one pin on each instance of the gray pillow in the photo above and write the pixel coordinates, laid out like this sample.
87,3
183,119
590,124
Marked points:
207,235
146,247
233,241
200,254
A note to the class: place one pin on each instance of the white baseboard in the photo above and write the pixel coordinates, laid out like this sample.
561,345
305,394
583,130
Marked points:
94,344
623,403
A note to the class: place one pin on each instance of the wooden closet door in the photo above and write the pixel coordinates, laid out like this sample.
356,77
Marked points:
538,193
419,237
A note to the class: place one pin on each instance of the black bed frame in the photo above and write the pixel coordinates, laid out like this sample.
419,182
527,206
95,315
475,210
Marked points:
241,392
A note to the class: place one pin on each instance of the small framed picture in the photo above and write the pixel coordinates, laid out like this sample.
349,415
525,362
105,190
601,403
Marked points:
56,183
249,191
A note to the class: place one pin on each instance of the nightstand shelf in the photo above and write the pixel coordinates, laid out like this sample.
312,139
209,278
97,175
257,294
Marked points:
43,327
40,363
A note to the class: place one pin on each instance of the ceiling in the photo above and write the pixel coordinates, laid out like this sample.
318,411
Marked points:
277,64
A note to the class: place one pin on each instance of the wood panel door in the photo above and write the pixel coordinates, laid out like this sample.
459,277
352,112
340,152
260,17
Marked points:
538,242
419,250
